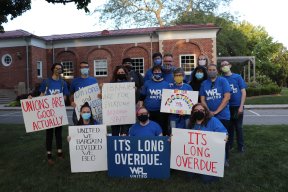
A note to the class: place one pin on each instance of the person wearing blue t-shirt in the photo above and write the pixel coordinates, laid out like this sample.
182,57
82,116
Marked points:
145,127
150,97
236,104
179,120
201,119
168,68
215,94
51,86
80,82
157,60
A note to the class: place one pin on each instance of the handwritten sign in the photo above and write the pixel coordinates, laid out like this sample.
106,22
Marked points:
118,102
89,94
198,151
88,148
138,157
44,112
178,101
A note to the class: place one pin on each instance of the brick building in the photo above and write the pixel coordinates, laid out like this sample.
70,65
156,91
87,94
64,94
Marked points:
27,58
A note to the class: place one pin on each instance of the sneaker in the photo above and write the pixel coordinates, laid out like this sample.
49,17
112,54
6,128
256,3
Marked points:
60,155
50,162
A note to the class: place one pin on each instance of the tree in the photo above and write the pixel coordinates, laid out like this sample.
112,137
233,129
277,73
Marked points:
15,8
153,12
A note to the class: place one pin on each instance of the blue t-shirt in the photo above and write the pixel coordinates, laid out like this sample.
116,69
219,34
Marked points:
213,125
237,84
54,87
80,83
151,129
214,94
148,75
152,90
169,77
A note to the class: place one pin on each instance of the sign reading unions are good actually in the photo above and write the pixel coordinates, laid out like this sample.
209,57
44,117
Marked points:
139,157
198,151
44,112
118,103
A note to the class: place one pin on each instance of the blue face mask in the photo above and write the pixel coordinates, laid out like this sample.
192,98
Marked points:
84,71
157,61
86,116
199,75
157,76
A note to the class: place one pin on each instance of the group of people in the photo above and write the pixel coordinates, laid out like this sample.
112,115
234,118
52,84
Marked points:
220,105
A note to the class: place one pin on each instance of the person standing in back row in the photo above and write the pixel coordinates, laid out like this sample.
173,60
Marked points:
236,105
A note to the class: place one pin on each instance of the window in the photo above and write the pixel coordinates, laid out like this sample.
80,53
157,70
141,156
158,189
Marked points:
100,67
188,63
39,69
6,60
138,65
68,69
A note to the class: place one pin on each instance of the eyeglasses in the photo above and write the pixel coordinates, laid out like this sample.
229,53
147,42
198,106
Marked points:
58,68
142,114
83,67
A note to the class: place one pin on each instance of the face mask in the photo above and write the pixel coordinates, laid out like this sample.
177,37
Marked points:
178,79
84,71
212,74
142,118
199,75
225,69
86,116
202,62
157,76
157,61
121,76
167,67
199,115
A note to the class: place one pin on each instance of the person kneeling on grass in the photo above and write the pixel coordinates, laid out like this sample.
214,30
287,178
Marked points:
144,127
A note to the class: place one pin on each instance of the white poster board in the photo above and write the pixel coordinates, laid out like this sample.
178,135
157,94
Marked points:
178,101
89,94
118,103
198,151
88,148
44,112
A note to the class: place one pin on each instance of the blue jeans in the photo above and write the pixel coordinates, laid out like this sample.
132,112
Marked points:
236,124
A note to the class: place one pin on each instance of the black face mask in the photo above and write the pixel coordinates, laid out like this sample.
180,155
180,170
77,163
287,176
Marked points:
142,118
121,76
199,115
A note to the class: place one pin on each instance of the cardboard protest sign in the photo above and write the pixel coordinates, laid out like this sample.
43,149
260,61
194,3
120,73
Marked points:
118,102
44,112
139,157
198,151
89,94
88,148
178,101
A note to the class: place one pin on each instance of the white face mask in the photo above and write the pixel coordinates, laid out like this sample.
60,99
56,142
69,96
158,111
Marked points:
84,71
202,62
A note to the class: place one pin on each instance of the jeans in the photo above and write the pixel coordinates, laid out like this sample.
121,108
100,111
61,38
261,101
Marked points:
162,120
226,124
49,138
236,124
181,121
118,130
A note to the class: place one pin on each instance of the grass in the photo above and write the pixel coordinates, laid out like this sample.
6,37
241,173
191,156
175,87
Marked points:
23,167
269,99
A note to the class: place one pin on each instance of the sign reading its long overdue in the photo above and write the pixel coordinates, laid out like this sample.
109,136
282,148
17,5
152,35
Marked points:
139,157
178,101
198,151
88,148
44,112
89,94
118,102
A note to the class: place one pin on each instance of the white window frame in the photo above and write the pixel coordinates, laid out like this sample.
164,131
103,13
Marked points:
100,65
71,68
4,60
181,64
143,66
39,65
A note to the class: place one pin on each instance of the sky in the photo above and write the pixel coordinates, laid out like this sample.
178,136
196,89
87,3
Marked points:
49,19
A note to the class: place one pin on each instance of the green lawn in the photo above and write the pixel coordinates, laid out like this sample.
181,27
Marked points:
269,99
23,167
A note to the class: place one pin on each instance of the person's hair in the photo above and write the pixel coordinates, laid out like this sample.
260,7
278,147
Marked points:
192,120
212,64
179,70
114,77
84,62
157,67
127,60
54,65
226,62
156,55
80,121
168,55
196,83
